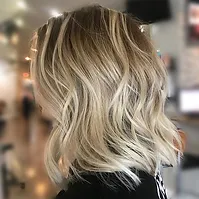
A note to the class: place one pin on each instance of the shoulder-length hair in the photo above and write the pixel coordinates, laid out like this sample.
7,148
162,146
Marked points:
101,79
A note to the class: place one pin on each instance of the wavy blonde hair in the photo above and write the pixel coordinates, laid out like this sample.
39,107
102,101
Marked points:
102,81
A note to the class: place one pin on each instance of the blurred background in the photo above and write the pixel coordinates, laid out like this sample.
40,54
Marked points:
174,27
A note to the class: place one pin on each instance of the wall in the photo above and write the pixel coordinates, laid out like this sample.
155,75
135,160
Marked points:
170,38
166,34
8,86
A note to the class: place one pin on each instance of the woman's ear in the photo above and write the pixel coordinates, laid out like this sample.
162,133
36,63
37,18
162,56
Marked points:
183,141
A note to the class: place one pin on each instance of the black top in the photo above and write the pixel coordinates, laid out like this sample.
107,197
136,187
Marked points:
96,187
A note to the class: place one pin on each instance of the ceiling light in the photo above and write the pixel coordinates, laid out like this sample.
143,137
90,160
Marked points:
26,75
19,22
55,13
41,189
15,39
3,39
22,4
31,171
27,58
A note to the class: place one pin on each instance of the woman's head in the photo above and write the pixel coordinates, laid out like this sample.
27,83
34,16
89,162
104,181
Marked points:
100,78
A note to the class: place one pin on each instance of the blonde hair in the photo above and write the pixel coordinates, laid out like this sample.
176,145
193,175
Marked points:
104,84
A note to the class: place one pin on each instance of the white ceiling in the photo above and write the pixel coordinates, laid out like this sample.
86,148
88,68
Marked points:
37,13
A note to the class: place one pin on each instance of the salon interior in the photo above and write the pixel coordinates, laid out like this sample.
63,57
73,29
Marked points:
173,26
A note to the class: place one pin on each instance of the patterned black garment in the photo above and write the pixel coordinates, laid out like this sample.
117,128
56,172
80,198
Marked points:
95,186
160,186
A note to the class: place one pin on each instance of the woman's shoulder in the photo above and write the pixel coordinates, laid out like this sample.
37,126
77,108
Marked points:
107,186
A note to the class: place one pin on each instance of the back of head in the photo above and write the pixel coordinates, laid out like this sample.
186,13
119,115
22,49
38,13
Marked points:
99,76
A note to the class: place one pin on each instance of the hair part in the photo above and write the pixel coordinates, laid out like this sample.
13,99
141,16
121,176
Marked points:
103,82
